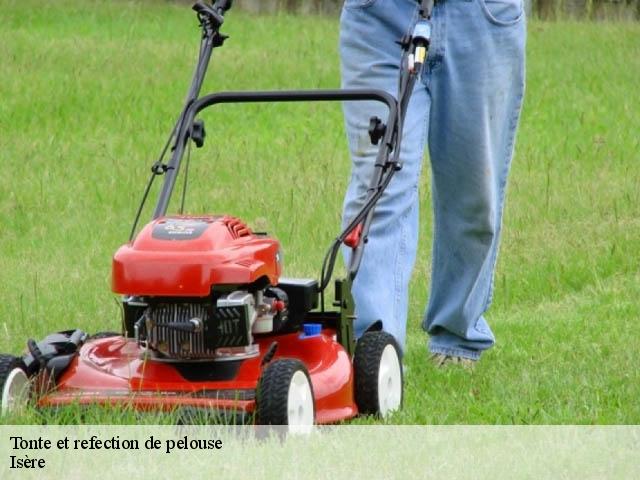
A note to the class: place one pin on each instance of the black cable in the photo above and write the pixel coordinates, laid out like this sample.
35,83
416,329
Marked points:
321,287
158,168
332,252
144,199
406,83
186,178
200,66
329,261
153,175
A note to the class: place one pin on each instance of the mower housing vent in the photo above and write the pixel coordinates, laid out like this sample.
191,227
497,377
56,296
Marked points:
236,227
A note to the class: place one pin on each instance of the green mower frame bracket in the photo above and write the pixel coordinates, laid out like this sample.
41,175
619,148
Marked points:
344,300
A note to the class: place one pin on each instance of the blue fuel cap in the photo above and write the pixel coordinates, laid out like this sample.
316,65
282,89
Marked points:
311,329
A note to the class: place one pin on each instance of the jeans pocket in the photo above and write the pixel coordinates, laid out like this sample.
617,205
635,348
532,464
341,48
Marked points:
503,12
357,4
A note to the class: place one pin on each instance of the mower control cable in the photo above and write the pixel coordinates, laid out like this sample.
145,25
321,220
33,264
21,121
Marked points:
415,49
158,168
211,19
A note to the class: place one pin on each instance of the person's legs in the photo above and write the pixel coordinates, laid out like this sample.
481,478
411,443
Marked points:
370,58
476,81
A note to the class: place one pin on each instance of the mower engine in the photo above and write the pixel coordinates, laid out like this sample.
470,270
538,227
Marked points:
197,288
181,329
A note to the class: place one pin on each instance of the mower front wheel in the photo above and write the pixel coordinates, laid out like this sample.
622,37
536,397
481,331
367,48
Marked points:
285,396
378,374
14,384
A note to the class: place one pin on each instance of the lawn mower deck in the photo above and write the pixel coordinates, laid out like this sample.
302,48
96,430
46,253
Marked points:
117,371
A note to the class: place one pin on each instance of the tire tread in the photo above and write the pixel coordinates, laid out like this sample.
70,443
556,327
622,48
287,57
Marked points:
366,364
7,364
273,391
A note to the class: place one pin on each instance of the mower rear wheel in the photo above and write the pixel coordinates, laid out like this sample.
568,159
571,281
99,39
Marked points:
14,384
285,396
378,374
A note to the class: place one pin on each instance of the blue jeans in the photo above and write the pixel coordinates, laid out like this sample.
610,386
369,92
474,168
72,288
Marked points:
465,109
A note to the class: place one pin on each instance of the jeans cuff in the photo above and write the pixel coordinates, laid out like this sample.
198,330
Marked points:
455,352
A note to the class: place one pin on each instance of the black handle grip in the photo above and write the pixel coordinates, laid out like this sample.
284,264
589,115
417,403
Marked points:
201,7
213,14
222,5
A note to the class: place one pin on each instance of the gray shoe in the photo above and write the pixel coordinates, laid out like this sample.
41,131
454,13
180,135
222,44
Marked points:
442,360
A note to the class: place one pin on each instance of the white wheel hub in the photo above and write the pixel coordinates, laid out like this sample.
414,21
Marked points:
15,391
300,404
389,381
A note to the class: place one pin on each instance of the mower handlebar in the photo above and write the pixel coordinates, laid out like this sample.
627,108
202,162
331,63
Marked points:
201,103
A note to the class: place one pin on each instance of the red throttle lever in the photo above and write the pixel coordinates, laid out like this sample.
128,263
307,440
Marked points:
353,238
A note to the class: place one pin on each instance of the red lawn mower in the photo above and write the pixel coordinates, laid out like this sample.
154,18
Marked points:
209,323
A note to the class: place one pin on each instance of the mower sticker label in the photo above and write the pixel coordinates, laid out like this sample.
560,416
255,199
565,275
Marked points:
178,229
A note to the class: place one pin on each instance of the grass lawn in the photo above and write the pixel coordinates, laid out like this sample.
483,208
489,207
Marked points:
89,90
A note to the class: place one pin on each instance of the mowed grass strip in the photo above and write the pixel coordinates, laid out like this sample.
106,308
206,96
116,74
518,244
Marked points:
89,90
